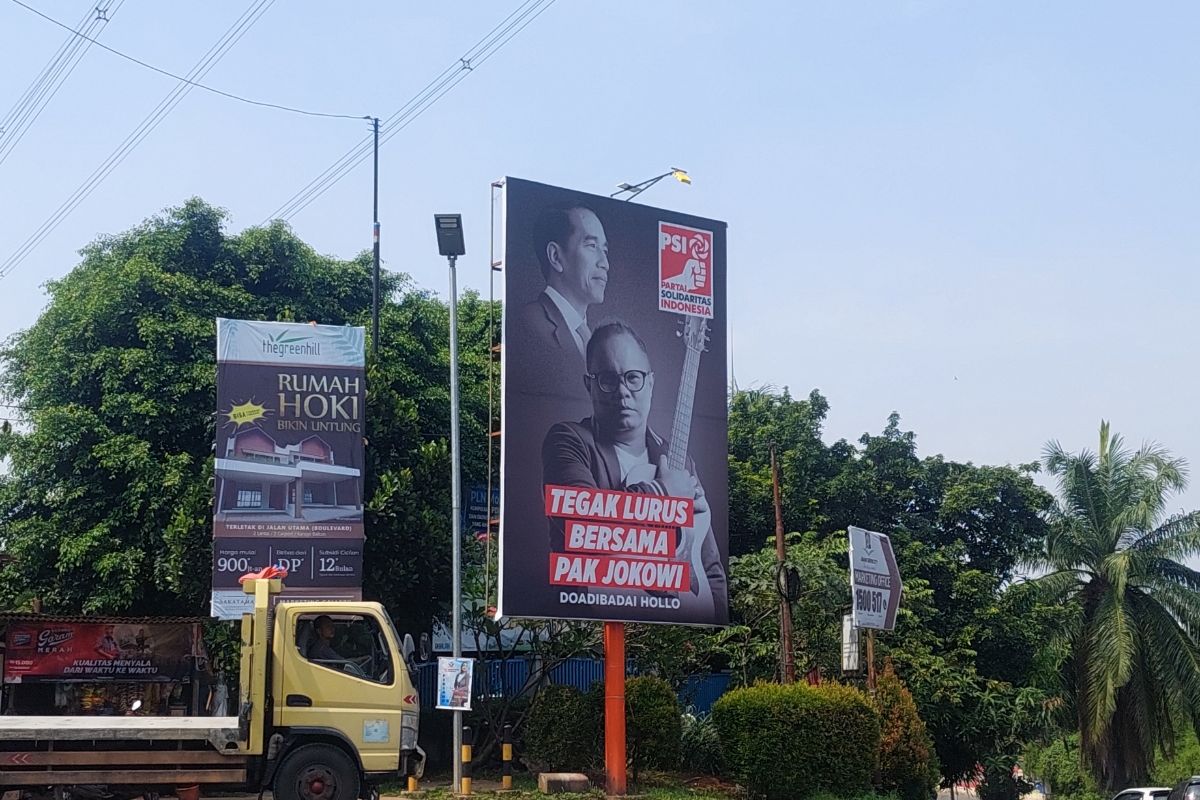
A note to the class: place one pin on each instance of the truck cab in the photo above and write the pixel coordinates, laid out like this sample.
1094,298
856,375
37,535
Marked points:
335,708
339,676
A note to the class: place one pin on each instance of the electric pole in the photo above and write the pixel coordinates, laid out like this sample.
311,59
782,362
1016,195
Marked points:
375,273
785,606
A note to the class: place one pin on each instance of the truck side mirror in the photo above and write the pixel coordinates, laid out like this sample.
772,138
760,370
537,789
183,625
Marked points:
426,647
408,647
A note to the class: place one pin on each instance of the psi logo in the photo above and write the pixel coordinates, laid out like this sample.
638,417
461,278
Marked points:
685,259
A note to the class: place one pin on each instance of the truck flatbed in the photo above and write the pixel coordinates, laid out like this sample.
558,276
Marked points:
220,732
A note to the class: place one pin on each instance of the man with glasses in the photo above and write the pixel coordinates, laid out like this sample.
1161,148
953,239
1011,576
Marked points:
615,448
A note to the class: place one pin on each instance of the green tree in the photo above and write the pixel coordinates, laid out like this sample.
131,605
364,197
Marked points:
1115,555
966,639
907,762
758,419
106,506
407,555
750,644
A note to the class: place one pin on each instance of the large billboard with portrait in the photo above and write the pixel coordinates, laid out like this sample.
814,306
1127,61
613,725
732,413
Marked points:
614,446
288,487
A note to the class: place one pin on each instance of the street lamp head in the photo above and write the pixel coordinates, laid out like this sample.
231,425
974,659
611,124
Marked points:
450,234
632,190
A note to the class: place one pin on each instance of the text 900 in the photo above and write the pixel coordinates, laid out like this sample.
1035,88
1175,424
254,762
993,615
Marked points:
232,564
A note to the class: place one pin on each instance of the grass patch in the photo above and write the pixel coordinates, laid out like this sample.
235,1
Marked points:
654,786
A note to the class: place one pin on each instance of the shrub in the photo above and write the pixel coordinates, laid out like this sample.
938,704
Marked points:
1000,782
561,731
653,724
907,763
1059,766
792,741
700,745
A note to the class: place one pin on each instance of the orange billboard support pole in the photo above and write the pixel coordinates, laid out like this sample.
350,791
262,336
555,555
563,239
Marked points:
614,708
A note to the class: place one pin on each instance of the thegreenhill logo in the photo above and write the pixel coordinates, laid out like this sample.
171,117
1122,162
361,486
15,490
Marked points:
283,345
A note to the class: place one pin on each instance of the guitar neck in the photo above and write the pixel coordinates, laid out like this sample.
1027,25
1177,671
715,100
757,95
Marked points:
681,428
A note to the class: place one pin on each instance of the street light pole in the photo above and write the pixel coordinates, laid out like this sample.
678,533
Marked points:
451,245
456,509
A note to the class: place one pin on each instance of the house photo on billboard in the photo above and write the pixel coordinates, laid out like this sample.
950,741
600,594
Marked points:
259,478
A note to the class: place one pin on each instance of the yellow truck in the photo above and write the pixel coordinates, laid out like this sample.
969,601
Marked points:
327,708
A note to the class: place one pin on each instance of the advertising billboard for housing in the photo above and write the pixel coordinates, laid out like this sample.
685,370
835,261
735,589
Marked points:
288,473
614,463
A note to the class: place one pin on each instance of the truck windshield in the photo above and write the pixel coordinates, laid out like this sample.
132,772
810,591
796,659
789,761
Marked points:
352,643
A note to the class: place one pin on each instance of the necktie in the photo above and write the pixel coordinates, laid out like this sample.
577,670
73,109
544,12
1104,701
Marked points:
585,334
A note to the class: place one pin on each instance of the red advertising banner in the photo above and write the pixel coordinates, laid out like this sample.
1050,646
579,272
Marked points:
614,464
46,650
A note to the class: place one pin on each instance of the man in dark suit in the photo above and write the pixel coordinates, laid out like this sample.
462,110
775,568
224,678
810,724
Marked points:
615,448
572,251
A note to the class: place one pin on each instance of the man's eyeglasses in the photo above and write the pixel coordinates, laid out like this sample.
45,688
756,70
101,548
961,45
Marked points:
609,382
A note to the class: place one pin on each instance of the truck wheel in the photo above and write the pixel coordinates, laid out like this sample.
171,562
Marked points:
316,772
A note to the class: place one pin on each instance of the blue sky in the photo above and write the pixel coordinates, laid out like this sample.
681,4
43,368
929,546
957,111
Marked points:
980,215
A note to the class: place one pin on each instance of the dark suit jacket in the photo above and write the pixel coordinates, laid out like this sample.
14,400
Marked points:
544,359
543,319
571,456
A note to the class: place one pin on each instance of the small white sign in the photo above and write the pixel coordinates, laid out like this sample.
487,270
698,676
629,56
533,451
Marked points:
376,731
231,603
254,342
850,646
874,580
455,678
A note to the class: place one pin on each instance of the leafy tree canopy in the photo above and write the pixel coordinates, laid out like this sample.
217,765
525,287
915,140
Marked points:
1116,557
106,505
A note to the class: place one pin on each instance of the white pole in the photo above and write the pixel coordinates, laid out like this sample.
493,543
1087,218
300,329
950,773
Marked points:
456,513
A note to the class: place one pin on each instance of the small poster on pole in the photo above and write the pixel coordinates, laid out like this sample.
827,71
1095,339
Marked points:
455,677
850,647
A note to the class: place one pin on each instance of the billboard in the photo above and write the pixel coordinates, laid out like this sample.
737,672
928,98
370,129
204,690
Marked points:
874,580
48,650
288,486
614,466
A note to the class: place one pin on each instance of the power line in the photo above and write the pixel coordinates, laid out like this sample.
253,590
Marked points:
51,82
499,36
48,84
196,84
455,73
6,121
152,121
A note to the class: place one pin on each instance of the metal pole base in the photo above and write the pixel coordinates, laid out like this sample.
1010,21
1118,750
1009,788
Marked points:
614,709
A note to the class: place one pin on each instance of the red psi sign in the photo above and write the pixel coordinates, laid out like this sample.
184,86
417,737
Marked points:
685,261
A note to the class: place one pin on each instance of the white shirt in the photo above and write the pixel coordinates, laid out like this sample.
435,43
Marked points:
629,460
571,316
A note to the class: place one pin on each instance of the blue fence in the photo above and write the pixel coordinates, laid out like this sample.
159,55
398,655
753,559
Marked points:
504,678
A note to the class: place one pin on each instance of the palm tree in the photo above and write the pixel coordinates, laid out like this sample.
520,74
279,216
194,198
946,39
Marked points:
1115,555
